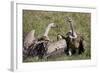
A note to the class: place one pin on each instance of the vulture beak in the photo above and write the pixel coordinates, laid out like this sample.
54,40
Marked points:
55,26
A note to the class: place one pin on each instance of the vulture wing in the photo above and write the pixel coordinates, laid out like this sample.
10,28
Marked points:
29,39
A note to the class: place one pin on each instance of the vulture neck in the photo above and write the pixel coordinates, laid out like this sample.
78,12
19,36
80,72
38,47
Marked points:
47,30
72,28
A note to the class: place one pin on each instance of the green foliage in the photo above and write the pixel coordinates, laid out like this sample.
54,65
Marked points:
39,20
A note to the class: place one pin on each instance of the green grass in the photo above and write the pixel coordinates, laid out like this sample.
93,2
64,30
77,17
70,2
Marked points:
39,20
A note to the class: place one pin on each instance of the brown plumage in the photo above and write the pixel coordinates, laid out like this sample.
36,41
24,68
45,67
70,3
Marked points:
74,45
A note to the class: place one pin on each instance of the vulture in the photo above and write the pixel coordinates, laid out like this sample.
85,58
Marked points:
75,42
34,45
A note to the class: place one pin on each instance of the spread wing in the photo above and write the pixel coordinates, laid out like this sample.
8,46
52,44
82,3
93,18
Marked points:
29,39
